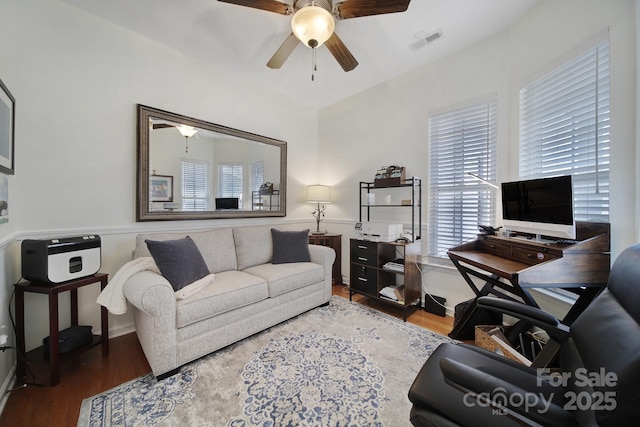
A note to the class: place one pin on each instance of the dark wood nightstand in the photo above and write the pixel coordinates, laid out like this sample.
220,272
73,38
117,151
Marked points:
333,241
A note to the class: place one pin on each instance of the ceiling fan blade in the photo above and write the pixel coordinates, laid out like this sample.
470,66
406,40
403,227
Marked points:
162,125
268,5
341,53
283,51
357,8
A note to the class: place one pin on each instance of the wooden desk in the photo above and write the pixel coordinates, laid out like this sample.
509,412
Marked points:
53,290
333,241
510,267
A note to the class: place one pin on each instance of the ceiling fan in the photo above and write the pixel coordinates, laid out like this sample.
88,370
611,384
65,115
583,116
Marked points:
313,23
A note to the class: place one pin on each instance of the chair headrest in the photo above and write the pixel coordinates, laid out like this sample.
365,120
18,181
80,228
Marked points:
624,281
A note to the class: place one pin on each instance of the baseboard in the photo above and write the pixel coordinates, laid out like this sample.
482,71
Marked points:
4,395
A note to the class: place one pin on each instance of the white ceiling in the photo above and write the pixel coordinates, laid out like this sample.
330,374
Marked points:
242,40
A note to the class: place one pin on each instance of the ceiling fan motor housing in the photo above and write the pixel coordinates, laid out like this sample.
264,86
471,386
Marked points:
325,4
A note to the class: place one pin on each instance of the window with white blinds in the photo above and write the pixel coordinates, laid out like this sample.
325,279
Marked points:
564,130
195,185
257,175
231,181
462,142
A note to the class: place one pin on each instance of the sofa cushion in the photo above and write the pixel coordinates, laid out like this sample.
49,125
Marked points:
229,291
254,245
290,246
282,278
216,246
179,261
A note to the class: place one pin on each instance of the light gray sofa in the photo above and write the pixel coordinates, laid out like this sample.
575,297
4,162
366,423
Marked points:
248,295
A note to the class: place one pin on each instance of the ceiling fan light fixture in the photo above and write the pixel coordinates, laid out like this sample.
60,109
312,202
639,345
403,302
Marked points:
186,131
313,25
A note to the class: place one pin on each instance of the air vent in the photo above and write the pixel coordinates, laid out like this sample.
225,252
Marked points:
424,39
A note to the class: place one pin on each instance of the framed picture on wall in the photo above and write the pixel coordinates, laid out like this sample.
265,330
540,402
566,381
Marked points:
161,188
7,130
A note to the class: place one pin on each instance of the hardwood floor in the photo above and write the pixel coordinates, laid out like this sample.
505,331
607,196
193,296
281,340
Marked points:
432,322
90,373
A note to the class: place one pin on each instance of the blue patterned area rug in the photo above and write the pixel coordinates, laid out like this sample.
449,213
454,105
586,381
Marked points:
340,365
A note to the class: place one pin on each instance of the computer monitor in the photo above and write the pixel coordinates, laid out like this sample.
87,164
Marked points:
540,206
225,203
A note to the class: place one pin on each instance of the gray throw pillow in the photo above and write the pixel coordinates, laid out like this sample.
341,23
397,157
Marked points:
290,246
179,261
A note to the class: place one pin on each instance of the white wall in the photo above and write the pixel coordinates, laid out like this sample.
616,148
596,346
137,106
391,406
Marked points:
389,123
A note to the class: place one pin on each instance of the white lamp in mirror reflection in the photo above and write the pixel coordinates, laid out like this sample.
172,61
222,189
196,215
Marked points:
187,132
320,194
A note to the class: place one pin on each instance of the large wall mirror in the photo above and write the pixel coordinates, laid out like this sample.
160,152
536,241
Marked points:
192,169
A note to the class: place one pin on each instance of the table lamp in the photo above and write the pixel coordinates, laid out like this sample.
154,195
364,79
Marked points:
319,194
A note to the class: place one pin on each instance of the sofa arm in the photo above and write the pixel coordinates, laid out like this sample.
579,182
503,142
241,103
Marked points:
155,319
323,255
152,294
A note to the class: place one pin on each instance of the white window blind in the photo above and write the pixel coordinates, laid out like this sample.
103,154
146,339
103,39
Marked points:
230,181
462,141
257,175
195,185
564,130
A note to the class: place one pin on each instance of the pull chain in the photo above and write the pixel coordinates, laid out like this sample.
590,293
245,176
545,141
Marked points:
314,68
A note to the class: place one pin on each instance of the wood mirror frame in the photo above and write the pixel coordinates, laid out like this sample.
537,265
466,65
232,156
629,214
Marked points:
166,207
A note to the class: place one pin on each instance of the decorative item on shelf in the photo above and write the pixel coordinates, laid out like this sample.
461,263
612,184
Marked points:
319,194
266,188
389,175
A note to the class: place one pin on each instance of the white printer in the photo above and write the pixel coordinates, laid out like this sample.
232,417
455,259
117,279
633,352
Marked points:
377,231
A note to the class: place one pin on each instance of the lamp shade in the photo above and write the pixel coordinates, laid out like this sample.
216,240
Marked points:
312,25
319,194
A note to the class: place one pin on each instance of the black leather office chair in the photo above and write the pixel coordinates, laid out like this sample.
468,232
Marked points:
598,382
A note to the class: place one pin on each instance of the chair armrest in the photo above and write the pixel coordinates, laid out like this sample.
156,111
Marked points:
485,389
549,323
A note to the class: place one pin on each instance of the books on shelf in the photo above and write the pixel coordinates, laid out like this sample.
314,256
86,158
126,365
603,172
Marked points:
395,265
394,293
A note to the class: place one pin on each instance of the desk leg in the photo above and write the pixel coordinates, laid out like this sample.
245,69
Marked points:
581,303
21,367
456,332
54,345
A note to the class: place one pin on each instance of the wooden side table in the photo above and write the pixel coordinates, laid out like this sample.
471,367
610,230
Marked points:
53,290
333,241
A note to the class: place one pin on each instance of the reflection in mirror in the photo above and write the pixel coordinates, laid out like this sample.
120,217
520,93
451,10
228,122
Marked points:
191,169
